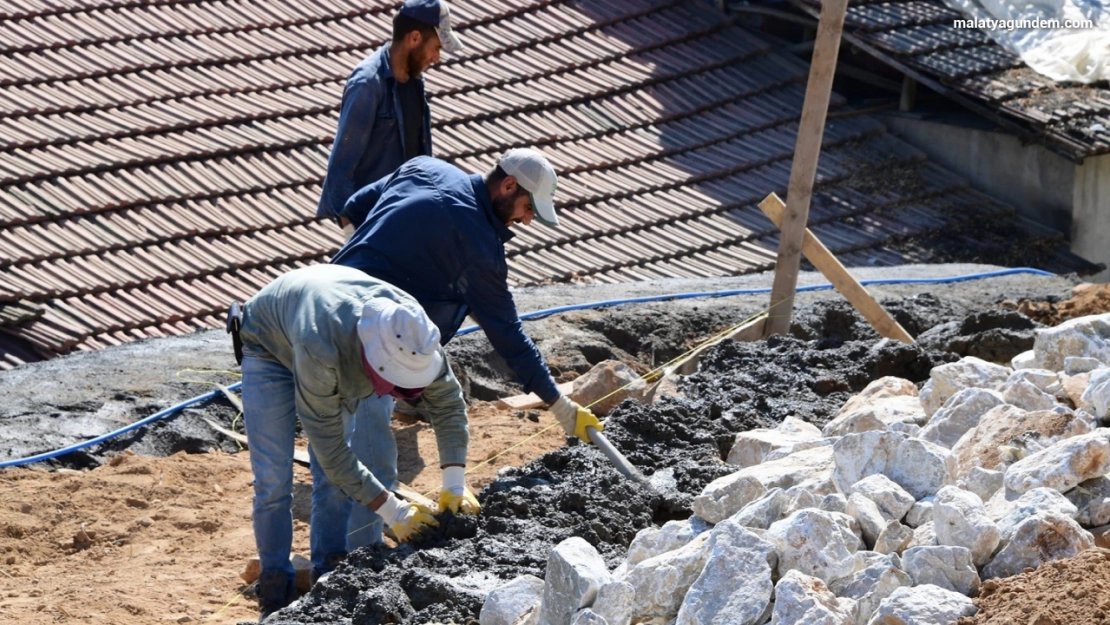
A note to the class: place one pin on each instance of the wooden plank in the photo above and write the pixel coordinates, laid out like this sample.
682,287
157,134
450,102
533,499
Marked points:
803,172
404,492
531,400
843,281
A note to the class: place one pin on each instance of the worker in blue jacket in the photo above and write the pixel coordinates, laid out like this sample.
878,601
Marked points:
439,234
384,118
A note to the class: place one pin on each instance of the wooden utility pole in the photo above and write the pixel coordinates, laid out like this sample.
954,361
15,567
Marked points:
804,169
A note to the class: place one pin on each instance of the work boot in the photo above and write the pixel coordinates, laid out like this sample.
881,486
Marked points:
331,560
276,589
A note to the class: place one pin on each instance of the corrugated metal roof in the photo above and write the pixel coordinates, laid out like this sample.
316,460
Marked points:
160,159
918,36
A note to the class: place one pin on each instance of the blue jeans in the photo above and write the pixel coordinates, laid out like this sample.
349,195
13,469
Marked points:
372,440
270,416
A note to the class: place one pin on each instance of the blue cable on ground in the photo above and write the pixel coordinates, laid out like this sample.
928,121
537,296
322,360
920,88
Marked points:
535,315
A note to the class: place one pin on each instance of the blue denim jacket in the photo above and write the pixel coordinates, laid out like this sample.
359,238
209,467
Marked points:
430,230
369,141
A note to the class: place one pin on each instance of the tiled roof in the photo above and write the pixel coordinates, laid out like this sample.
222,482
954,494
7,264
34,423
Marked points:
917,36
161,158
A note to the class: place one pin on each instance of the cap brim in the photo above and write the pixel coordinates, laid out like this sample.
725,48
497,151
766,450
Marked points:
545,211
448,40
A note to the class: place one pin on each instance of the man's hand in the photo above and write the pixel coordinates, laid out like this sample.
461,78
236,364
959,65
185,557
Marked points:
574,418
455,496
405,519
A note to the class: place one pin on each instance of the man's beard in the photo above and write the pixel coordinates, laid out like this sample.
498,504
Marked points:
415,62
504,206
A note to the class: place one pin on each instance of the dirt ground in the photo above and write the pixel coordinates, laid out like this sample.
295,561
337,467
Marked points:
145,540
1086,299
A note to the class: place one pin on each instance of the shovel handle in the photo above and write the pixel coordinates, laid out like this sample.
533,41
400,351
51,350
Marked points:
619,461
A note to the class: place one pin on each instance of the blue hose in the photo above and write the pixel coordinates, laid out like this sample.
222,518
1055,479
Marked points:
534,315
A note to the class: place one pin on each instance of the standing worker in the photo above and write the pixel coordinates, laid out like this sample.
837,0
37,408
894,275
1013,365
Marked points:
315,342
384,119
439,234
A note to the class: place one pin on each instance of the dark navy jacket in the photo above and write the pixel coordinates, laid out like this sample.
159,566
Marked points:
369,141
430,230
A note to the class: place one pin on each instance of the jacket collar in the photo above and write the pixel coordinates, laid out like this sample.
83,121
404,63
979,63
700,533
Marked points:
481,194
386,65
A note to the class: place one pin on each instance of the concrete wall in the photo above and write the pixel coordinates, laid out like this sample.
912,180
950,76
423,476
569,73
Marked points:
1090,232
1036,182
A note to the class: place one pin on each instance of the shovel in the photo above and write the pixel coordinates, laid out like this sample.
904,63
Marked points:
619,461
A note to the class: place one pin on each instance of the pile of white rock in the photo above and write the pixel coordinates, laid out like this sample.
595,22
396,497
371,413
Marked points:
892,514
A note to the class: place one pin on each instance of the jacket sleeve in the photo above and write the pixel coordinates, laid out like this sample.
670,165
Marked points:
486,291
320,409
352,137
363,201
447,412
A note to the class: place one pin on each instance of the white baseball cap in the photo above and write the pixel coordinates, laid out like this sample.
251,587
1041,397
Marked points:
537,176
400,342
434,13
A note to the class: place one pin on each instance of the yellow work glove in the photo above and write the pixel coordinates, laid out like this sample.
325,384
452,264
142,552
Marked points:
404,518
574,418
454,495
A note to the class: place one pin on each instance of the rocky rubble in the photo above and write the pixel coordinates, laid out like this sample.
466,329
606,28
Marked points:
895,512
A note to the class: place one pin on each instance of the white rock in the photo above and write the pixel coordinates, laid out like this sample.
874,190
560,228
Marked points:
1007,433
887,386
810,469
575,572
866,513
982,482
950,568
1087,337
804,600
764,511
920,467
614,603
834,502
924,535
878,414
894,538
911,430
1024,360
871,584
1092,498
586,616
735,584
1097,394
782,452
1036,501
968,372
920,513
1040,378
661,582
799,498
923,605
1043,537
959,414
1064,465
815,542
960,519
1074,365
506,603
893,500
751,447
1023,394
652,541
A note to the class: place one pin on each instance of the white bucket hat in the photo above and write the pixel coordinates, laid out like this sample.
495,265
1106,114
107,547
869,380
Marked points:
537,176
400,342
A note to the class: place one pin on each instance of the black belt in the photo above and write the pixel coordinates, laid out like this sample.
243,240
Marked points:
234,324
